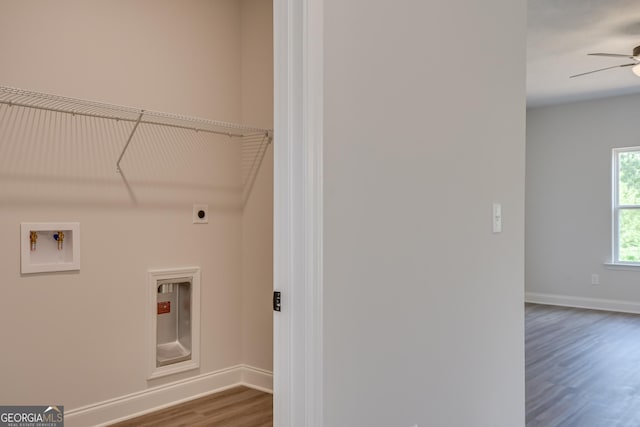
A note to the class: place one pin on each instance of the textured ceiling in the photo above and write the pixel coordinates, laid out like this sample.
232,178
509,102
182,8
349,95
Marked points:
562,32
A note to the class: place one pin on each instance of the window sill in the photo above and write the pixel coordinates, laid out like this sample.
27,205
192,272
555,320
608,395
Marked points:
622,266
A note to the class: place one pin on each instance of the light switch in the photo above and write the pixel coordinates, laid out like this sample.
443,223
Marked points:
497,218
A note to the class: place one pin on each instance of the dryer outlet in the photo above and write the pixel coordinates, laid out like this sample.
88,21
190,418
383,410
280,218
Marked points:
200,214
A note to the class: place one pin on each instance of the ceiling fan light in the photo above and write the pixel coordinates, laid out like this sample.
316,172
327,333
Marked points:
636,70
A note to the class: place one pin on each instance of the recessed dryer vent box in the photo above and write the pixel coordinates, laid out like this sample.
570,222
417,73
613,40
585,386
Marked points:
173,330
49,246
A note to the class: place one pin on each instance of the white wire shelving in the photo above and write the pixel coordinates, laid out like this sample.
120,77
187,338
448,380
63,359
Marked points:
256,139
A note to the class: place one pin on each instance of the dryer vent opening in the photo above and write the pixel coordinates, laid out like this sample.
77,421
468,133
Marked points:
174,321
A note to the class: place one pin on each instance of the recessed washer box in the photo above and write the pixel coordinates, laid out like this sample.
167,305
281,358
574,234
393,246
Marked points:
49,246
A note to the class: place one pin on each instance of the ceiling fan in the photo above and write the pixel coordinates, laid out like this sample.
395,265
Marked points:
635,57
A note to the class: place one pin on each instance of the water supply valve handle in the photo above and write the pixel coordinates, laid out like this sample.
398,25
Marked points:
59,238
33,236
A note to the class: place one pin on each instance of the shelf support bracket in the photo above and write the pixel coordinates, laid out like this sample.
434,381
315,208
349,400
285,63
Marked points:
133,131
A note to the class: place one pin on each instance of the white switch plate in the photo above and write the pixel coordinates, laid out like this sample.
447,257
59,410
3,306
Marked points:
497,218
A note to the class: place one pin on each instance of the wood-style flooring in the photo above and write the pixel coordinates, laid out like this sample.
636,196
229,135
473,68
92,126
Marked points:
582,370
236,407
582,367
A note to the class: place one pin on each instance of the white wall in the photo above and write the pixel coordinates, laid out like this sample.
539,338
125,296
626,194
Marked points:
424,129
257,217
568,199
79,338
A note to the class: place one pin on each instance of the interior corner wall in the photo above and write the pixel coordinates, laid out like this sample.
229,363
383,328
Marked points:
78,338
568,198
257,217
423,304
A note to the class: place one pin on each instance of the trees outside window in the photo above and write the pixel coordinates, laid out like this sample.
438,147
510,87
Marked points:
626,205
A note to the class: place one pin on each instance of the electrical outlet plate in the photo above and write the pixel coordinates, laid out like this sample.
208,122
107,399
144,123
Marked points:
200,214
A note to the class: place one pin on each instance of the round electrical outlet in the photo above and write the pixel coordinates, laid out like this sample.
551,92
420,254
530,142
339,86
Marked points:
200,214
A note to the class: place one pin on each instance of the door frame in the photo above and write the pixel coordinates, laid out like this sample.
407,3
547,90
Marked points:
298,208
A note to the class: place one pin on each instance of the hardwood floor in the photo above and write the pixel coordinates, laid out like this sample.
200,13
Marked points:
582,370
582,367
236,407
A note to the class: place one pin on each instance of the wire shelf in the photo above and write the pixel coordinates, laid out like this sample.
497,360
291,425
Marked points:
61,104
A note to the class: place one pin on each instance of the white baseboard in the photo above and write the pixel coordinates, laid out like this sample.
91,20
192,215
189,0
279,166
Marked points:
583,302
153,399
258,379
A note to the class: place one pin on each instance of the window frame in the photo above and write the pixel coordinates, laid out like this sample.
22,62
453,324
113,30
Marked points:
617,207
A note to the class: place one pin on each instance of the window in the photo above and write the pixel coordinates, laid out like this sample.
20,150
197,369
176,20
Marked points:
626,205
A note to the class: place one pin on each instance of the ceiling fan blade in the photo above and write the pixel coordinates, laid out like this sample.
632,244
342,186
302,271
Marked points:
603,69
614,55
